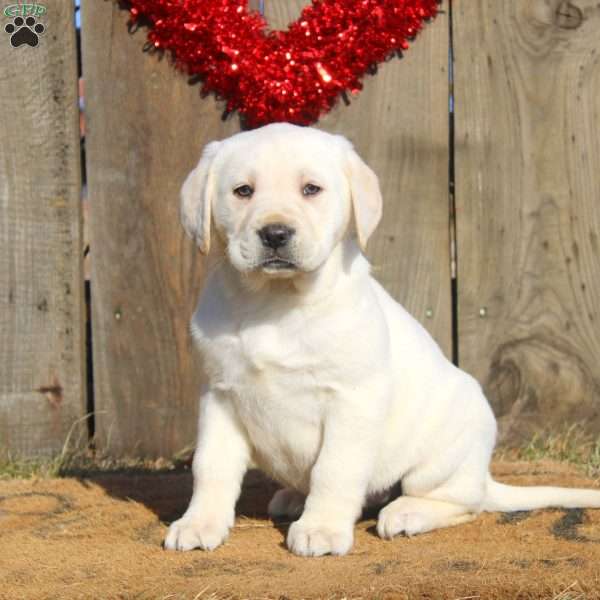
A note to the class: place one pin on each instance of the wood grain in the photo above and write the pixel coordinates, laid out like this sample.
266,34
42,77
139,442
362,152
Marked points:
146,127
42,379
399,125
527,84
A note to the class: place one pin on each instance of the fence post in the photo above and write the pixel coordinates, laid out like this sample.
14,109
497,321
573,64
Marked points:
146,127
42,360
527,84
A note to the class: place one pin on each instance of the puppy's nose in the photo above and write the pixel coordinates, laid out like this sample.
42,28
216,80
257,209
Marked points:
275,235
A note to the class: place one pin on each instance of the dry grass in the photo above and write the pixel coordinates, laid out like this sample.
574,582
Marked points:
78,456
572,445
77,462
572,592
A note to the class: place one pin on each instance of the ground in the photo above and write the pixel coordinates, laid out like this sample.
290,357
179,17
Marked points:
99,536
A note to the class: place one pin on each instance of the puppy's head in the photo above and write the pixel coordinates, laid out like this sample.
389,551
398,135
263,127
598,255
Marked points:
280,197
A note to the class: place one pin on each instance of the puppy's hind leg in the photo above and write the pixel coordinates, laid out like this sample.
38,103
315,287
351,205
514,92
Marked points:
286,503
410,516
442,493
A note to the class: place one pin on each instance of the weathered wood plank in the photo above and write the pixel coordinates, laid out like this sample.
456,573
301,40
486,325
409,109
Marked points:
399,125
42,361
145,130
527,84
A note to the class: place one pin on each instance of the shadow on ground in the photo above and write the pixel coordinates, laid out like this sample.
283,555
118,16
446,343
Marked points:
167,493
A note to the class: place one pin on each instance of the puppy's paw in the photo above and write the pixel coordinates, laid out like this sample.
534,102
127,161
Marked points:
394,522
286,503
195,532
311,538
411,516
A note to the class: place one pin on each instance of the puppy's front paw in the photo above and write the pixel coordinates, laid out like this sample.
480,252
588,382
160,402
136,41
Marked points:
286,503
311,538
195,532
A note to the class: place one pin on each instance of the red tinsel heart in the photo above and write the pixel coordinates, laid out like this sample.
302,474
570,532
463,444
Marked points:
293,75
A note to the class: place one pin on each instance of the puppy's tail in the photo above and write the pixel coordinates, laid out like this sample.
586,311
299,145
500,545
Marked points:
506,498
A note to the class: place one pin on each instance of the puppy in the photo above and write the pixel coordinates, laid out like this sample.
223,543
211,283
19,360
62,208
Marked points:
315,374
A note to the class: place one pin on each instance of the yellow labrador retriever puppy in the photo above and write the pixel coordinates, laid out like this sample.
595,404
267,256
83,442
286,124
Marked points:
315,374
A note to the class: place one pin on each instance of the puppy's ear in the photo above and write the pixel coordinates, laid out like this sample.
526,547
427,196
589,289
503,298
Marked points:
367,202
196,199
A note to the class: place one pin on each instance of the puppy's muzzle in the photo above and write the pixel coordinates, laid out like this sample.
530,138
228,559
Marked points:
275,235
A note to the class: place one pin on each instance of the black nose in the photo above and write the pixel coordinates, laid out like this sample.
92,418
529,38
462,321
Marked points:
275,235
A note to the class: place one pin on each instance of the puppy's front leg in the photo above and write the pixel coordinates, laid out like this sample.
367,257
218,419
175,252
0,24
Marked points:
220,461
338,481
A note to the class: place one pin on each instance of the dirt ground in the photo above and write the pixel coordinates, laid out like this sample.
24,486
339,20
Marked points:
100,536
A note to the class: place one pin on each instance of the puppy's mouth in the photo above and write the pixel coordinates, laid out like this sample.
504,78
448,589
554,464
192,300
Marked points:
277,263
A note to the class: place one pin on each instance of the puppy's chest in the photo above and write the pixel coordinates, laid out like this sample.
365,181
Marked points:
261,361
279,392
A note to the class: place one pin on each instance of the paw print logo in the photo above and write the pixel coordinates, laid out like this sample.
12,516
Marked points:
24,31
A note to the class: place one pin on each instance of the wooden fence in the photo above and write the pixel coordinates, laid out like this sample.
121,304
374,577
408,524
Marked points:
521,151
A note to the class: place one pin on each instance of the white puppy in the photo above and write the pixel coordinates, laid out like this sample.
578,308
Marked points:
315,374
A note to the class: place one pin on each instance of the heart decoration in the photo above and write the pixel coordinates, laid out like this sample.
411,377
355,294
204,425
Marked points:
293,75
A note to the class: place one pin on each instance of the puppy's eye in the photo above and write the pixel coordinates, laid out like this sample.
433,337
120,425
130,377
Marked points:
310,189
244,191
